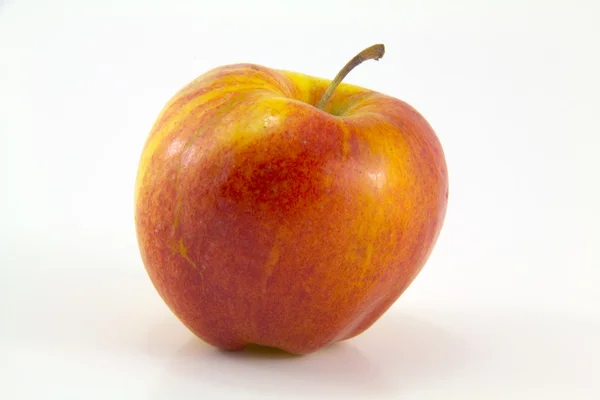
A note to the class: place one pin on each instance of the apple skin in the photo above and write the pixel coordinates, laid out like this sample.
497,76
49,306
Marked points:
262,219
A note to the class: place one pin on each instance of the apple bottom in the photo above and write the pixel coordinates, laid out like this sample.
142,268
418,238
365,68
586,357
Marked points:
354,330
232,323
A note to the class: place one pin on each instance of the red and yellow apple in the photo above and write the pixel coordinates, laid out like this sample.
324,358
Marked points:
264,219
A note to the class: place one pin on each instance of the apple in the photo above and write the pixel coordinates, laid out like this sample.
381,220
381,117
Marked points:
284,210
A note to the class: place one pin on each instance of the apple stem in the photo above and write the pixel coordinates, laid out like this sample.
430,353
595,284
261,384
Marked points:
374,52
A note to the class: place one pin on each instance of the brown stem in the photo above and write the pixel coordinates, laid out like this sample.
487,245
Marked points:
374,52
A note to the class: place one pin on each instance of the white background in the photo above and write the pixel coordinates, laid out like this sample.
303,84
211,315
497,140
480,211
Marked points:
506,308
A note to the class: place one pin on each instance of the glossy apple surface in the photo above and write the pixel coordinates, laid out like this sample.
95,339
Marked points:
263,219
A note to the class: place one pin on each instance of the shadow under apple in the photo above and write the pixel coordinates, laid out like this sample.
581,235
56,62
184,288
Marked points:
397,352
